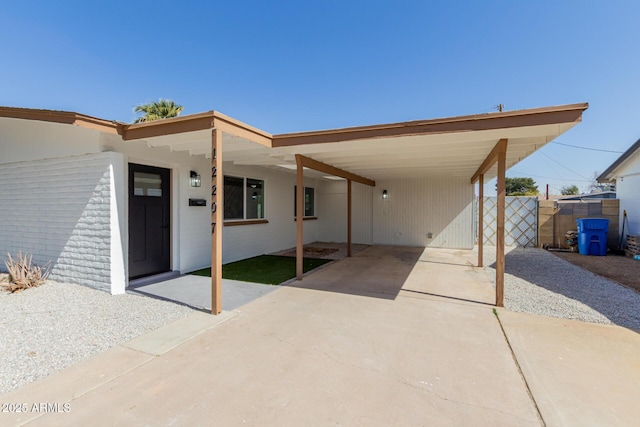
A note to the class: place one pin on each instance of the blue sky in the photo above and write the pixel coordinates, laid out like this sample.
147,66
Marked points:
286,66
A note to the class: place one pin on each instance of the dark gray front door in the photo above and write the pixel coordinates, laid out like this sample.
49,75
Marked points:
149,220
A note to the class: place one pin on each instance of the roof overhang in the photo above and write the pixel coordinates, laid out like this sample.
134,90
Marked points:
448,147
63,117
609,174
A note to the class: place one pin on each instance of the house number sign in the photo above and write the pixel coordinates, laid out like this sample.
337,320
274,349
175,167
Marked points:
214,193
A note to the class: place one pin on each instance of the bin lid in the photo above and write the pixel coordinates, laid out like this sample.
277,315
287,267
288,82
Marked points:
592,224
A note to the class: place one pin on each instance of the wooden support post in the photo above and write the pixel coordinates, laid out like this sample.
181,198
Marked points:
348,217
217,218
299,218
480,219
502,192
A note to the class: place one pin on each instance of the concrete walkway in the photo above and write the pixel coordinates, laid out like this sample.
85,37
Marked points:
392,336
195,291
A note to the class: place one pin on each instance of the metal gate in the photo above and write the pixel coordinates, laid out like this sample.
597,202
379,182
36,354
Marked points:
521,221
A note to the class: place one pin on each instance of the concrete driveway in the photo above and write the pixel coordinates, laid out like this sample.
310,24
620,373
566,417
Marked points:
392,336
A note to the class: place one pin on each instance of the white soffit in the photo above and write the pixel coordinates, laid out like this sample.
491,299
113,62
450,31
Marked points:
447,154
458,154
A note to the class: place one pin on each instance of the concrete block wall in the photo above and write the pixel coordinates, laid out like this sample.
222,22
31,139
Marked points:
556,218
59,210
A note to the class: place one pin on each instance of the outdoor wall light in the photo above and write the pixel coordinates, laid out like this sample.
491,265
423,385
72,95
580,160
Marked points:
385,195
195,179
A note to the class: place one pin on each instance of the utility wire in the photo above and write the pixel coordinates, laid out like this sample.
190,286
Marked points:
554,170
586,148
552,159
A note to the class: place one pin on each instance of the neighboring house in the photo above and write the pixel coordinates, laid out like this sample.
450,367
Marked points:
107,202
590,196
625,172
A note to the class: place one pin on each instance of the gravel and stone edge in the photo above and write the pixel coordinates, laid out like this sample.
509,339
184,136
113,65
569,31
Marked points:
537,282
46,329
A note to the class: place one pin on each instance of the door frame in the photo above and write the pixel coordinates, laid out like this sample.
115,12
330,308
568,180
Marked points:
168,185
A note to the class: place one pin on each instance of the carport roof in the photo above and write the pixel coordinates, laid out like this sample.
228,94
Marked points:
454,146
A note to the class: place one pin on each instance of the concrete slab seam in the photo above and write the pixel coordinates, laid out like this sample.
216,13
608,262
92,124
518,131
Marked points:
524,379
233,314
76,396
227,315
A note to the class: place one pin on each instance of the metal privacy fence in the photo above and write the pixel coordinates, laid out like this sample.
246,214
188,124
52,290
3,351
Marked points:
521,221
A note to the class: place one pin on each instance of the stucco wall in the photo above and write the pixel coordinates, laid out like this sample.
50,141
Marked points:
60,211
239,242
190,242
25,140
191,238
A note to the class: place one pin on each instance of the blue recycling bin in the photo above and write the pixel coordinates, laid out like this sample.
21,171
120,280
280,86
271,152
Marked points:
592,236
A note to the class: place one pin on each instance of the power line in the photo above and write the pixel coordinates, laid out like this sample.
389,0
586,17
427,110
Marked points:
586,148
552,159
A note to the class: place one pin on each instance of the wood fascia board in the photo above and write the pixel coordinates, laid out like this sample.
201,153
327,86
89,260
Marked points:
489,121
237,128
62,117
191,123
197,122
490,160
332,170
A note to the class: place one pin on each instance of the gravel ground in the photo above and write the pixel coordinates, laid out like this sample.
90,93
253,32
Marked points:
45,329
538,282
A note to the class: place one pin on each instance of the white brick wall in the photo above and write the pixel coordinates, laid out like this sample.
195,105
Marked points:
59,211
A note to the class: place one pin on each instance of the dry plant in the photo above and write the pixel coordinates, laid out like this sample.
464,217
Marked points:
23,274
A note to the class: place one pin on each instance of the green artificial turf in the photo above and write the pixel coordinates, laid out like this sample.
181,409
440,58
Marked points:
268,269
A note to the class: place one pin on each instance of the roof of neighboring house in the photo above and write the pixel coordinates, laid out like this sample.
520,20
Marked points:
607,175
595,196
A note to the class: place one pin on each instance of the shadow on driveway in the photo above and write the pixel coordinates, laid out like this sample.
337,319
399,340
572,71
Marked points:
378,271
389,271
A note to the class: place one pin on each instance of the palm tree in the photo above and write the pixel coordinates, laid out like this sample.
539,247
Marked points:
162,109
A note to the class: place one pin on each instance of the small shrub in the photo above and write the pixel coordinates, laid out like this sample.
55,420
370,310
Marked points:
23,274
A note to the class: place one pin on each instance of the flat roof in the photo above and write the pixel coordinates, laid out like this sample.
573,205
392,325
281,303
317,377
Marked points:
452,146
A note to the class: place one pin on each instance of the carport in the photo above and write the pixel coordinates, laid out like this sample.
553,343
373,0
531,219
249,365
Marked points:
473,149
479,147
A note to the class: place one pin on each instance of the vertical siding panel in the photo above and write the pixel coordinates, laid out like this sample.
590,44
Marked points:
332,211
629,194
362,213
416,207
628,191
